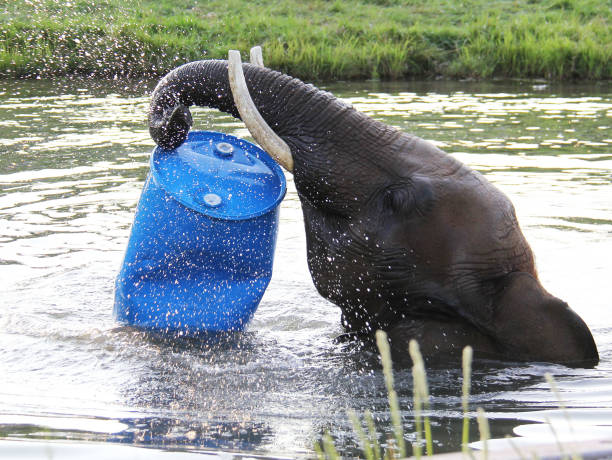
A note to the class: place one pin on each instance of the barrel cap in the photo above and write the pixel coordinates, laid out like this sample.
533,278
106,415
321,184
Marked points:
220,175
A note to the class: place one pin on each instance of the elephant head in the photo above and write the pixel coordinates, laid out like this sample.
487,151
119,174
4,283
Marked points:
400,235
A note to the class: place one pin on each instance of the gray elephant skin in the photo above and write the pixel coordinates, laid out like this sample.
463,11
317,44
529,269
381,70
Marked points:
400,235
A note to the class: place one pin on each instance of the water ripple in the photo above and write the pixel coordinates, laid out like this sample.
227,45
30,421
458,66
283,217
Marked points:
71,170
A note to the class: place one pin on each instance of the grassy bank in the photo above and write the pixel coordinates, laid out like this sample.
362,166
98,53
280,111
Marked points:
318,40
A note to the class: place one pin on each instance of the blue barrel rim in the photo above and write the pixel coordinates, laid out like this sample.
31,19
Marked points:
261,154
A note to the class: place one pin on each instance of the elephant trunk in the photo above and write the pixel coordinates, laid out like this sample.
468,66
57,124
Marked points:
198,83
278,98
325,136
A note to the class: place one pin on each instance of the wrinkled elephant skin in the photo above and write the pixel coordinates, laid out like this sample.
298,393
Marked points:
401,236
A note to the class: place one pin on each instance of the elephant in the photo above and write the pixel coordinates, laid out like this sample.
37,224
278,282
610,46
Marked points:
400,235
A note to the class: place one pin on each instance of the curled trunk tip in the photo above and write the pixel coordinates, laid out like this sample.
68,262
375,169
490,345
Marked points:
169,129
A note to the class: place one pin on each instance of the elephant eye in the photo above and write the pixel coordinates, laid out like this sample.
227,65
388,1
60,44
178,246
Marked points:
410,198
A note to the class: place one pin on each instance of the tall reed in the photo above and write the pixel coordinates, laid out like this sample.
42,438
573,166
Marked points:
396,448
555,389
421,398
485,432
421,409
466,362
396,419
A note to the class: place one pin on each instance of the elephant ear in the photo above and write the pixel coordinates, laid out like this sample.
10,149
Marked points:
410,198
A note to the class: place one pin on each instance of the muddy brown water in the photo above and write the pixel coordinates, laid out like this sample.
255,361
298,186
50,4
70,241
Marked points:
73,157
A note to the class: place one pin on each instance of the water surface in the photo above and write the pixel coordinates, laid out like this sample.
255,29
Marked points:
73,158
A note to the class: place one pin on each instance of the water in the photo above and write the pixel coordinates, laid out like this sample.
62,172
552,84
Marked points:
73,159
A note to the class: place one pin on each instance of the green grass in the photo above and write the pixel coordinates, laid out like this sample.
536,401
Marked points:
318,40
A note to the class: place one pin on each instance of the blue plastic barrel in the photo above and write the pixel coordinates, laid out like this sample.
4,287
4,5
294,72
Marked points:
200,253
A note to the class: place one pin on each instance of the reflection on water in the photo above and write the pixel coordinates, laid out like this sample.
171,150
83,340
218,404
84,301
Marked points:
72,164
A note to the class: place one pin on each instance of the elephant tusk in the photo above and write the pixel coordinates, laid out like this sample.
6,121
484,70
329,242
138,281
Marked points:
251,117
257,56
